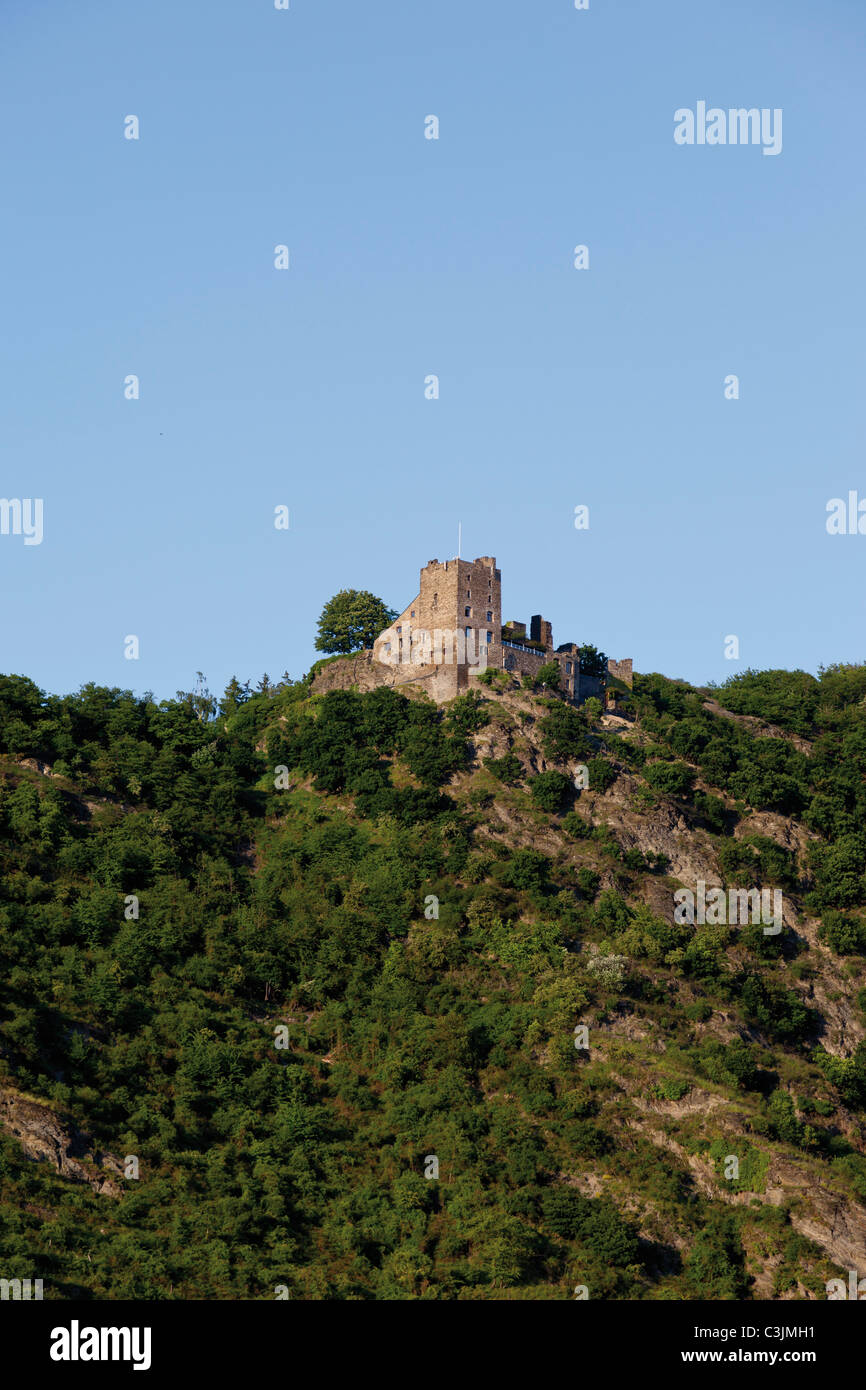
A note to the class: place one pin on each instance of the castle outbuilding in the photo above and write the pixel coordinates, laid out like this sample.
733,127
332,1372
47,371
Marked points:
452,631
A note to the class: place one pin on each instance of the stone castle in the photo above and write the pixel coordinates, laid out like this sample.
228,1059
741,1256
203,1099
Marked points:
453,630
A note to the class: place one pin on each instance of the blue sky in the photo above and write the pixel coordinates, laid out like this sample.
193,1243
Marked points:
409,257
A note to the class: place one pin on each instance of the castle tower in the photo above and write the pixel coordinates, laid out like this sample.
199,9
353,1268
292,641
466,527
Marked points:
458,607
541,631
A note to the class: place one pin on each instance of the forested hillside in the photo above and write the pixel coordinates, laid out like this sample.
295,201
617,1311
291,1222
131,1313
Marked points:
296,953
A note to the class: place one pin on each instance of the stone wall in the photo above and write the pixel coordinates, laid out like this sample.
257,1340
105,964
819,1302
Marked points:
587,686
519,661
569,666
621,670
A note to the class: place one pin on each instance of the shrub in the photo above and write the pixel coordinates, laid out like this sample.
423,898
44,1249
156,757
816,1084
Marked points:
778,1011
508,768
699,1011
783,1118
612,912
633,859
713,811
586,1139
527,869
847,1074
670,1090
610,971
674,779
549,790
587,881
853,1166
468,713
493,675
601,774
838,870
549,676
575,826
728,1064
845,935
563,733
594,1222
715,1266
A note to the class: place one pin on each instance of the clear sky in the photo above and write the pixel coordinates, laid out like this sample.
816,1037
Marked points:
408,257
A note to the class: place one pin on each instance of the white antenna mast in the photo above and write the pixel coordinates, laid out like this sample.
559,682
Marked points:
459,538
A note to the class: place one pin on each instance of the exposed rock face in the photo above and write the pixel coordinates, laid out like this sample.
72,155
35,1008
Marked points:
45,1138
363,672
835,1223
790,834
661,830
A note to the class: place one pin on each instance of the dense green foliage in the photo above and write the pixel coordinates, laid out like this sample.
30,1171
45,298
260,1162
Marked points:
825,786
592,661
344,965
353,618
550,790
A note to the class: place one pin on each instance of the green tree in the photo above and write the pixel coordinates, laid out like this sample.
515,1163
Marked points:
235,695
353,618
549,790
715,1265
527,869
675,779
549,676
846,935
508,768
592,662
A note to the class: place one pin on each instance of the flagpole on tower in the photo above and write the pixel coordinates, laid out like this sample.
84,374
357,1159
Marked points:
459,538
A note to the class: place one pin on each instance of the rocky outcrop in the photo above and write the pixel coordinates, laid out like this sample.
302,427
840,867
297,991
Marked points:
362,672
835,1223
47,1138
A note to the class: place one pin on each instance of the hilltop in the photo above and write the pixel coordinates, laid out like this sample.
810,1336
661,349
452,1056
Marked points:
319,962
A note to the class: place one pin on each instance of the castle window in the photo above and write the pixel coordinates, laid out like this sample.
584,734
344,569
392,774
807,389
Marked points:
467,612
399,629
412,614
435,600
568,668
490,637
489,616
